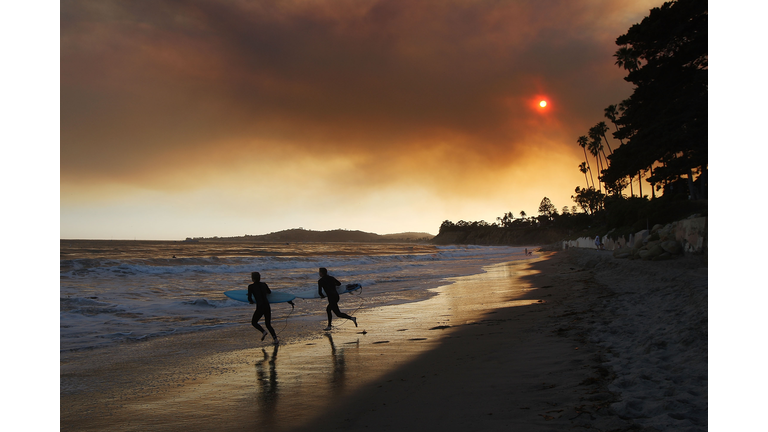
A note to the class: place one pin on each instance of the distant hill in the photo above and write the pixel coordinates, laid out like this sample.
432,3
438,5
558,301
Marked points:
339,235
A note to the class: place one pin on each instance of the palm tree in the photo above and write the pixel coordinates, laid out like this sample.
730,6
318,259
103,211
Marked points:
600,130
583,169
612,113
627,59
621,108
597,133
595,148
583,142
522,214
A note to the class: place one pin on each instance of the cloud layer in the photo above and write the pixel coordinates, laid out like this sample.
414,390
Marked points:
383,105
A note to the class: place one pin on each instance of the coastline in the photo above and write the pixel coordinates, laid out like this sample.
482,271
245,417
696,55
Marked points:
553,343
616,345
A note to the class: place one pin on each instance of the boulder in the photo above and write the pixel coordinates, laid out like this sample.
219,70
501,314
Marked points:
656,250
667,233
651,252
672,247
664,256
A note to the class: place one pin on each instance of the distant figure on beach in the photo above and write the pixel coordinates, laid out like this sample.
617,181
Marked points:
328,284
598,243
257,293
526,251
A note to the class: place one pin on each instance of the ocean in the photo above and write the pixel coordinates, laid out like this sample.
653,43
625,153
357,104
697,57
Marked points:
127,291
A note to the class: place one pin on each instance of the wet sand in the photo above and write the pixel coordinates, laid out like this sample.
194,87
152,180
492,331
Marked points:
524,354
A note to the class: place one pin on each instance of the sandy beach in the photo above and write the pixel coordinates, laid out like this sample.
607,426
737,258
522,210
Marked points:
569,340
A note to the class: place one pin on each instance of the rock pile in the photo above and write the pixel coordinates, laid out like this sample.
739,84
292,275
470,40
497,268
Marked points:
660,245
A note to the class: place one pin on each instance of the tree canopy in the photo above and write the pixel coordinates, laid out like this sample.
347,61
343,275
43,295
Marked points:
546,208
664,122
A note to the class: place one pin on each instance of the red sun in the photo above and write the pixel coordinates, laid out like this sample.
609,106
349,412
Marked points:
541,104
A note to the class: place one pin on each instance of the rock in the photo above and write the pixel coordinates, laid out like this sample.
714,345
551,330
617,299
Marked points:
656,250
667,233
672,247
651,252
664,256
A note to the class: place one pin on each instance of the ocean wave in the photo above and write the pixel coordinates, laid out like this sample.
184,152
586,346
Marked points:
87,306
129,298
202,302
163,266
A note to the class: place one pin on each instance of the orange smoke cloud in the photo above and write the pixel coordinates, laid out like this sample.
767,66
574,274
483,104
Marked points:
434,96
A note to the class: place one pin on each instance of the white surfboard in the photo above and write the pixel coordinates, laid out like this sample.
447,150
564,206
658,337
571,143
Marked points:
341,289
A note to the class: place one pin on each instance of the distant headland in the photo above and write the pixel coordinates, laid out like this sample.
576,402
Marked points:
338,235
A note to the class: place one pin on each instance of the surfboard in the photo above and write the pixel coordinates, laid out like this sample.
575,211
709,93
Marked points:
275,297
341,289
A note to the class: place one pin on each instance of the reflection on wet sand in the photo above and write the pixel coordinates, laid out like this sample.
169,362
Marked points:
266,379
338,378
217,391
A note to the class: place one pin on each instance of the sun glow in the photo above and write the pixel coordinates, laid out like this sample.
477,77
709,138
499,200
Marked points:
543,104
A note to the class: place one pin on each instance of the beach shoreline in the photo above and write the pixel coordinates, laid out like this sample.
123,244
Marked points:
571,340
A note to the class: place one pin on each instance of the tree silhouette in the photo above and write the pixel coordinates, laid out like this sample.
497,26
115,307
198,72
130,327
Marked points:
589,200
664,121
583,169
597,132
612,113
546,208
627,58
595,149
583,143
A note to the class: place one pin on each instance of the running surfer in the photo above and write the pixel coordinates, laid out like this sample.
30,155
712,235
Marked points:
328,284
257,293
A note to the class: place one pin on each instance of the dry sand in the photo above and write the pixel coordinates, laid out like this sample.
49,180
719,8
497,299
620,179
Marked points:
572,340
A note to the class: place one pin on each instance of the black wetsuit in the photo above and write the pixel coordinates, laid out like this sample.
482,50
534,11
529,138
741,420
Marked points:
328,284
258,292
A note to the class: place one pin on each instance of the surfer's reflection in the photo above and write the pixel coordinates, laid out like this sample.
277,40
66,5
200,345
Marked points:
266,377
338,378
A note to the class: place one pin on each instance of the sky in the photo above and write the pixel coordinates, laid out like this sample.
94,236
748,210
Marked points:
226,118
